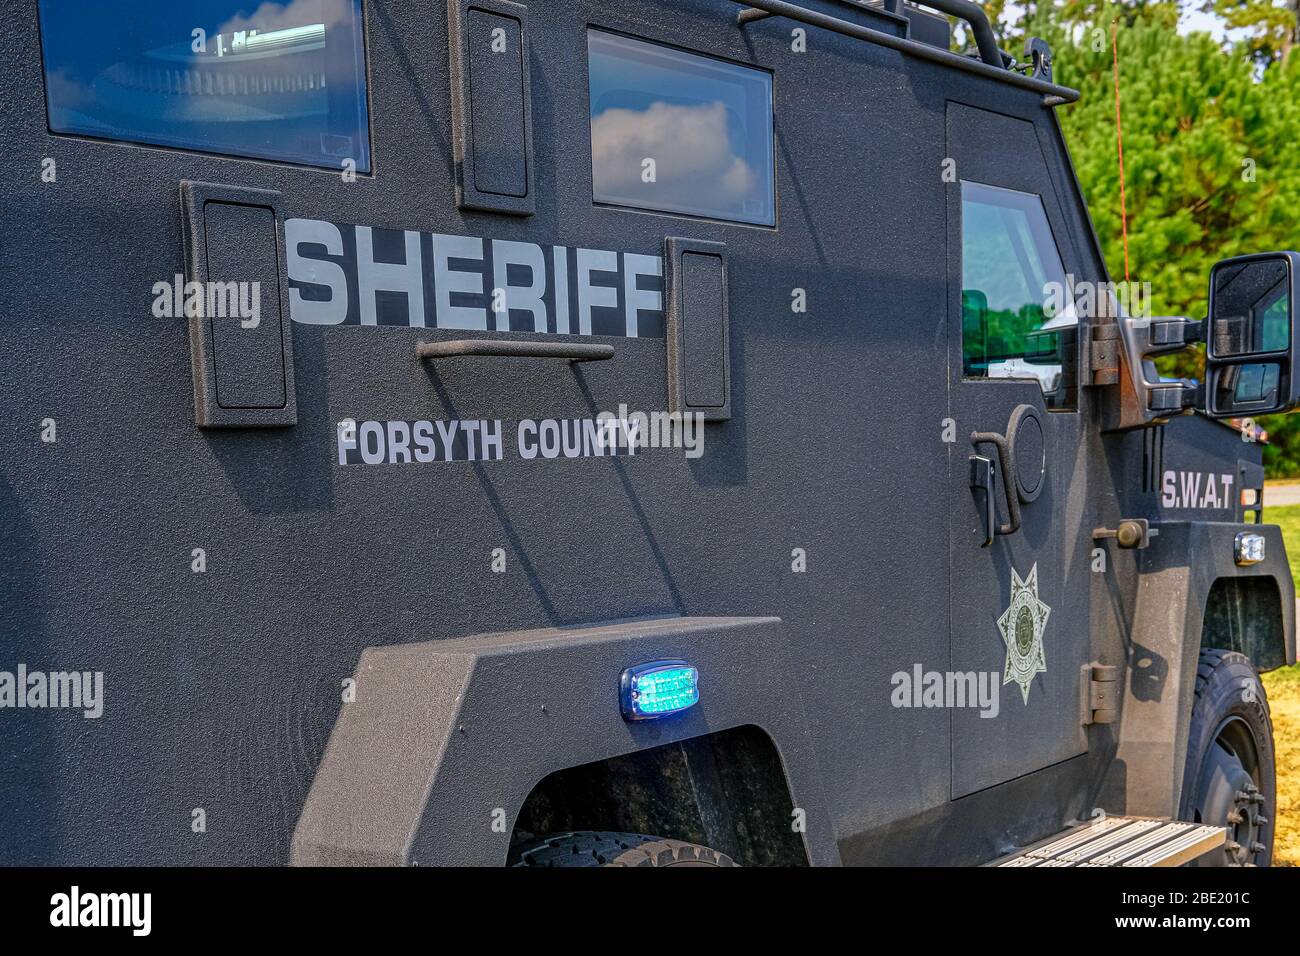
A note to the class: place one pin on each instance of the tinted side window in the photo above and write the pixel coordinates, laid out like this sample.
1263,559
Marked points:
1017,319
679,132
282,82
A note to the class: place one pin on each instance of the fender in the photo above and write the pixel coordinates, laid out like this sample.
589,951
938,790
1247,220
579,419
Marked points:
444,735
1167,614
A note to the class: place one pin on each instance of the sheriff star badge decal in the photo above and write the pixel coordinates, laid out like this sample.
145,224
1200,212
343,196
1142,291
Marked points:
1022,625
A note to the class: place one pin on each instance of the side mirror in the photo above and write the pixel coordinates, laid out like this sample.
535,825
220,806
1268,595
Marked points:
1250,348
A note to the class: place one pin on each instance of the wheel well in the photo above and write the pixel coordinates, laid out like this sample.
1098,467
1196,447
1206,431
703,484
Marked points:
726,790
1245,615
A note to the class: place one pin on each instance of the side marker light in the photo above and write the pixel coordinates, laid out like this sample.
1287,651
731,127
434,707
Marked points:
657,689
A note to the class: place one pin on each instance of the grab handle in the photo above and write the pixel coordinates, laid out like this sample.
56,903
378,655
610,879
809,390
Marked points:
573,351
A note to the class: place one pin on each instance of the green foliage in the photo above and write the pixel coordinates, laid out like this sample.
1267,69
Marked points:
1212,162
1282,453
1272,27
1211,151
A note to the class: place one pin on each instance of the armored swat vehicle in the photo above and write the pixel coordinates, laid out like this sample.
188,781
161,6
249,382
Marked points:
582,433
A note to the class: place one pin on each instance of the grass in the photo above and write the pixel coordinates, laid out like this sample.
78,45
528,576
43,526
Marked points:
1288,519
1283,689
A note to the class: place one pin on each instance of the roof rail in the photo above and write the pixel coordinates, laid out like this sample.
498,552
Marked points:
990,63
973,14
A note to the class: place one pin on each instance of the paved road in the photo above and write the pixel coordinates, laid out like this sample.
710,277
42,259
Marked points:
1282,494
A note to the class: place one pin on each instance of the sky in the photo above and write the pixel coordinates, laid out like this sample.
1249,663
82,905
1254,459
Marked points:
1196,20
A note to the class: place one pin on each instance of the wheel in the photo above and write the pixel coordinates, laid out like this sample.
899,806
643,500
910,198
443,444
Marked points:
1229,778
588,848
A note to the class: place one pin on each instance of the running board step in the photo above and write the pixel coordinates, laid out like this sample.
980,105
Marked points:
1121,841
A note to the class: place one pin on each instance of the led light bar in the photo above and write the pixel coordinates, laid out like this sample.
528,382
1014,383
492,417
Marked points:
657,689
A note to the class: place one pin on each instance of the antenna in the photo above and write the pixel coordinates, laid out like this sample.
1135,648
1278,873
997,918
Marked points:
1119,138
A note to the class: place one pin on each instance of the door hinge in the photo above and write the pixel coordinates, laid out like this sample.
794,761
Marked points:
1103,354
1100,693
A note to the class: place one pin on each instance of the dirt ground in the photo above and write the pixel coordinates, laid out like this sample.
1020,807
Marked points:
1283,689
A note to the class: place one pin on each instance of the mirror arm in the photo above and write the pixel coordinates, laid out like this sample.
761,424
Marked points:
1138,402
1169,334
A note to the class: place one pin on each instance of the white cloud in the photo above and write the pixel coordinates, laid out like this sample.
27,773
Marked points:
694,162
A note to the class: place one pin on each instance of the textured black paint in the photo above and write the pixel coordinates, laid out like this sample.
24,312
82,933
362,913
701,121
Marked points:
221,688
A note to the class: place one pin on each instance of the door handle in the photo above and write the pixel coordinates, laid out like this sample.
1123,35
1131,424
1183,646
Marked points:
1007,464
983,476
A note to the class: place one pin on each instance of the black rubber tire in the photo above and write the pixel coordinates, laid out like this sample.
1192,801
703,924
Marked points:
1225,716
592,848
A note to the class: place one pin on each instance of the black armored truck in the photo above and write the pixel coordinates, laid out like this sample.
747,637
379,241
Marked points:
647,432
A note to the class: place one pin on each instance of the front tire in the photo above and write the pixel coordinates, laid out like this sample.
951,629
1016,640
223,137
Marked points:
1229,777
590,848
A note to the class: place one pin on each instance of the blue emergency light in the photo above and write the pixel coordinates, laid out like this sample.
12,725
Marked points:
658,689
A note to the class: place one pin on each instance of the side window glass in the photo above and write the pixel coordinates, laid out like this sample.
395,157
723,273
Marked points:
1018,319
679,132
277,81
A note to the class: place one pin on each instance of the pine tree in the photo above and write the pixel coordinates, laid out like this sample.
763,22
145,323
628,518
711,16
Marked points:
1212,159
